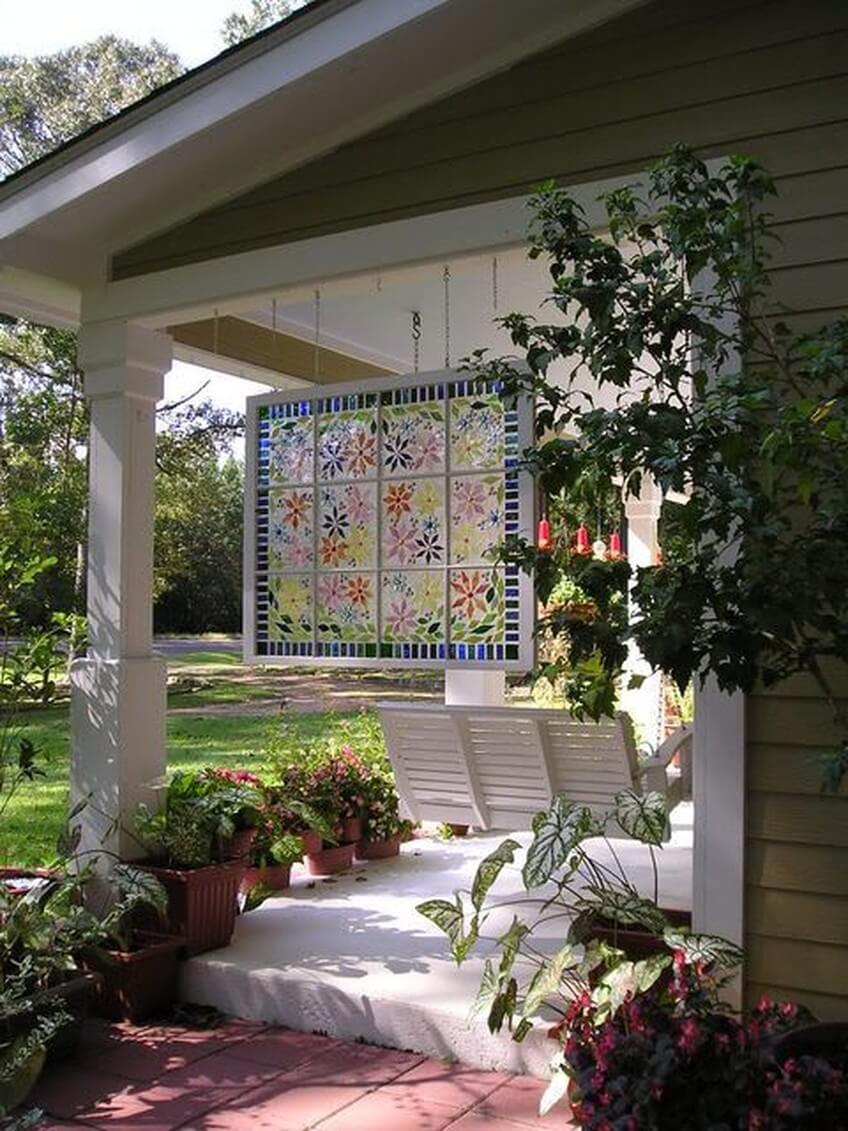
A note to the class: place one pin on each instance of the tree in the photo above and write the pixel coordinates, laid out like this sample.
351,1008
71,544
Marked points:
717,398
239,26
46,100
199,546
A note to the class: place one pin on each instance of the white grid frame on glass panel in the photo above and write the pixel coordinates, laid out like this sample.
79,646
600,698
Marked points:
305,589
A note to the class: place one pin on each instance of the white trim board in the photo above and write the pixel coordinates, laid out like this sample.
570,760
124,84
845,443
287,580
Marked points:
235,282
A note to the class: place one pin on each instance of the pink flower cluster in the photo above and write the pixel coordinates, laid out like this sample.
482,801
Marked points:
675,1056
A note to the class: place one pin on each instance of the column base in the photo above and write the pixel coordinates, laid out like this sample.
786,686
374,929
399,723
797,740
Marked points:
117,748
474,688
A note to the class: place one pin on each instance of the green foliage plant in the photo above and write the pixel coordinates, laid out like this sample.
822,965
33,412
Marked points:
200,810
708,391
567,884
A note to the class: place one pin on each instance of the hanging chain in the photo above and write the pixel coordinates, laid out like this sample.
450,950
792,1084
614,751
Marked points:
379,284
215,332
316,365
495,284
274,325
446,276
416,339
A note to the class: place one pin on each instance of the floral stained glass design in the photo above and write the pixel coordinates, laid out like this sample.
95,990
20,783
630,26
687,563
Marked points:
347,445
347,536
413,522
477,517
476,599
413,440
292,451
377,514
290,608
413,607
476,432
347,607
290,529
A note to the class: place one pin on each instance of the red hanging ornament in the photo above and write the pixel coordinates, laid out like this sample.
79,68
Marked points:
615,546
582,544
544,543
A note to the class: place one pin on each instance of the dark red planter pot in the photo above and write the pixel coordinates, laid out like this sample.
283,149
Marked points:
351,830
636,942
378,849
311,842
274,877
140,983
458,830
201,903
330,860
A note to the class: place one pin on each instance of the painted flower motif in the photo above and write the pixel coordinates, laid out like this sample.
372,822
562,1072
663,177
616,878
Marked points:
293,597
358,590
401,542
331,592
333,550
397,454
332,460
299,552
360,507
428,499
469,592
428,451
401,617
295,508
398,499
335,521
428,544
360,543
430,592
361,453
469,499
291,450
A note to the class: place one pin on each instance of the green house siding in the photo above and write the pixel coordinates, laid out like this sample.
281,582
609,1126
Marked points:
766,79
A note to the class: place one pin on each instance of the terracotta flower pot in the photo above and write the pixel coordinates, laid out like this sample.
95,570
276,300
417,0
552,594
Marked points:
311,842
636,942
378,849
350,830
201,903
458,830
330,860
138,983
238,846
274,877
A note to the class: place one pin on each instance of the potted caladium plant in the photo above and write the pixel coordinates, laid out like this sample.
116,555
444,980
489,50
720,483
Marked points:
183,837
138,967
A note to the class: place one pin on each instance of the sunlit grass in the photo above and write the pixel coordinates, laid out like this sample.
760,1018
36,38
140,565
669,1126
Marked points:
33,821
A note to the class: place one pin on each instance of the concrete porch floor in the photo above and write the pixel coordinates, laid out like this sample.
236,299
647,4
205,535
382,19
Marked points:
351,958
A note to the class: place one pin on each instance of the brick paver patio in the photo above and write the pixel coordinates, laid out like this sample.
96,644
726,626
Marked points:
243,1075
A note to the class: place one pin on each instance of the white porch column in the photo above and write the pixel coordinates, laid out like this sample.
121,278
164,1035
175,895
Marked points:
118,690
474,688
644,703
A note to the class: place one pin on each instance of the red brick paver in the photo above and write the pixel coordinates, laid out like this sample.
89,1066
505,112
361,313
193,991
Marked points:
244,1076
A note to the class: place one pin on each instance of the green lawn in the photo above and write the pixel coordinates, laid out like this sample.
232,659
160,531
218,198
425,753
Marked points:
32,822
204,659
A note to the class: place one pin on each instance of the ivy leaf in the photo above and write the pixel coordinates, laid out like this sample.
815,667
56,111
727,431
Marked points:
706,949
557,833
490,868
645,818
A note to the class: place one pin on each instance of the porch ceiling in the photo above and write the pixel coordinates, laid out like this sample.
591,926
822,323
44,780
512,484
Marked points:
260,110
